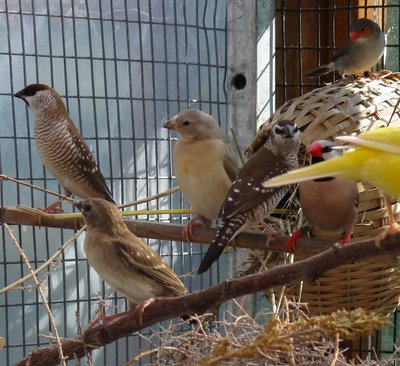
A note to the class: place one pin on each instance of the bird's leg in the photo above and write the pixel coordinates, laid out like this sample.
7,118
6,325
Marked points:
187,231
267,230
346,239
291,243
55,206
393,228
141,307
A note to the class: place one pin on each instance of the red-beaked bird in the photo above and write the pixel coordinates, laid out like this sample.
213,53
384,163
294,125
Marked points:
328,203
361,53
247,202
123,260
204,165
61,147
375,159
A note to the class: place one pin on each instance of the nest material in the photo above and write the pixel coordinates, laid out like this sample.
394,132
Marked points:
344,108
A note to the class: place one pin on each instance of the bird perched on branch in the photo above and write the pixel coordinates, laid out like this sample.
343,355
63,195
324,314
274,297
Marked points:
61,147
247,202
329,203
374,159
121,259
204,164
361,53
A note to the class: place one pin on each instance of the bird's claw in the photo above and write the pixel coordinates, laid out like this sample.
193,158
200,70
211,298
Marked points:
187,232
142,307
54,208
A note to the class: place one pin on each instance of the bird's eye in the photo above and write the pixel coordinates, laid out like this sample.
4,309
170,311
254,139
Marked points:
279,131
326,149
362,29
296,129
87,208
186,123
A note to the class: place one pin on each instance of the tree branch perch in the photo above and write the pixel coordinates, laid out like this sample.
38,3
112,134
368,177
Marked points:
199,302
164,231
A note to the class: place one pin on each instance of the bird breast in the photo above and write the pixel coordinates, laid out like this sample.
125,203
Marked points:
59,154
329,205
200,172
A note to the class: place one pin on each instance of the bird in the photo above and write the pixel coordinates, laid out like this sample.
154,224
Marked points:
373,158
204,164
363,50
247,202
61,147
123,260
327,203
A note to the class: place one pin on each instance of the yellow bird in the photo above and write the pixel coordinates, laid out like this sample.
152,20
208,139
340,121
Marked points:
374,158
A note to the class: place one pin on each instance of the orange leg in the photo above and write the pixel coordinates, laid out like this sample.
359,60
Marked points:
187,231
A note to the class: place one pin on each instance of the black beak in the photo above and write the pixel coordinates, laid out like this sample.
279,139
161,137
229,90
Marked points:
20,95
79,205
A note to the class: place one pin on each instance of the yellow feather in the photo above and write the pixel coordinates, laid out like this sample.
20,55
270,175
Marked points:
377,167
385,139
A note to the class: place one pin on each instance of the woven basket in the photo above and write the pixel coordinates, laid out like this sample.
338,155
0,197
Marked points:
343,108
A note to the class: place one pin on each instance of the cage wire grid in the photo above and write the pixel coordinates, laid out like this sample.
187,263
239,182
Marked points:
122,69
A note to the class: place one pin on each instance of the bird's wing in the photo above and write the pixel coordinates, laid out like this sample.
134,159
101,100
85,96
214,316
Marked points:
140,257
383,139
85,161
230,164
342,51
246,191
329,168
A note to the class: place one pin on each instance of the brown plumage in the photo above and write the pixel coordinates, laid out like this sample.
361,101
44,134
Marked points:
121,259
247,202
61,147
328,203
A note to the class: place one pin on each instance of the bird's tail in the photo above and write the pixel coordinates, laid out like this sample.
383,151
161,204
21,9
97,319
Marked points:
231,227
322,70
329,168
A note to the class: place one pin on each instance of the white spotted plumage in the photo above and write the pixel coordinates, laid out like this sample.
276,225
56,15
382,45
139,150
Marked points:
248,202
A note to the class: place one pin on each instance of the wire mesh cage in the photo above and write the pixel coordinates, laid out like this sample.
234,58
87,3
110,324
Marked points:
123,68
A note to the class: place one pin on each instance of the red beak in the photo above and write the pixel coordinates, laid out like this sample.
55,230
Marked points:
315,149
354,36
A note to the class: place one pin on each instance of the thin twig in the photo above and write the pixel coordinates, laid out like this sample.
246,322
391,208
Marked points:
59,195
45,264
151,198
41,293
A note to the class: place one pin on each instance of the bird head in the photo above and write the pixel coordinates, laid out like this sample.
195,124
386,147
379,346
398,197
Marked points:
40,98
284,138
101,215
192,124
322,150
363,29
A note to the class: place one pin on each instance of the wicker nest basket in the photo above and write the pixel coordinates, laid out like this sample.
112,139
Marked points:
343,108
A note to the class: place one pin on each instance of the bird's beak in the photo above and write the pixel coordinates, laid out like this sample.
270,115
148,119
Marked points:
79,205
289,131
20,95
170,124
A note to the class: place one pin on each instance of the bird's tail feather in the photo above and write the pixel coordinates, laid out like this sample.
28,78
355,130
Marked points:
328,168
231,227
322,70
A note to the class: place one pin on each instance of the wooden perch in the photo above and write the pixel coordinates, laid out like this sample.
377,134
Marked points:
201,301
163,231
